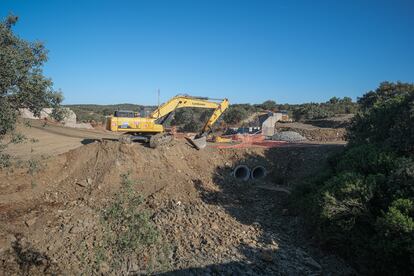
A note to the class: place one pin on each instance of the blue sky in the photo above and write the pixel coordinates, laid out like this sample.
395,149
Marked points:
248,51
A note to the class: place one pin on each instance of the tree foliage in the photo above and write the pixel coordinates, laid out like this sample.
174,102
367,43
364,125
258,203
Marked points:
386,118
191,119
235,114
269,105
334,106
364,204
22,83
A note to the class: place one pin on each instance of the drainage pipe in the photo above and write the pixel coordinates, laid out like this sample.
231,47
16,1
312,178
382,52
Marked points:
258,172
241,172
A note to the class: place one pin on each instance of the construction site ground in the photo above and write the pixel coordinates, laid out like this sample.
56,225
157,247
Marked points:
315,133
53,196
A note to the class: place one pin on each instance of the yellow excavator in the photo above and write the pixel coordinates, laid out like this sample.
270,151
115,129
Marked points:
151,129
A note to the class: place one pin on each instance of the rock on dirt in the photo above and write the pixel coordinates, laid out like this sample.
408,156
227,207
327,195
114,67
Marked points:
30,222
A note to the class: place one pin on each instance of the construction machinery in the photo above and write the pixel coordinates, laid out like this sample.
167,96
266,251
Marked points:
151,129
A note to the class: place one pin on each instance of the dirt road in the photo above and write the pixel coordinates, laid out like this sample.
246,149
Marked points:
49,139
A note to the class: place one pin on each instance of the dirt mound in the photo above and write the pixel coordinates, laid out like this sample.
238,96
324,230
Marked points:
62,216
340,121
313,133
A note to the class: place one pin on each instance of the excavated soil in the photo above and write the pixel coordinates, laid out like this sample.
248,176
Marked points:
209,222
314,133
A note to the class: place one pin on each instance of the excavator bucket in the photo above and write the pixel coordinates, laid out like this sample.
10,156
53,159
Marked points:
198,143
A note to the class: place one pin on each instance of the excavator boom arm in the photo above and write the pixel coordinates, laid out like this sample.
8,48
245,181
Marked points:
181,101
216,115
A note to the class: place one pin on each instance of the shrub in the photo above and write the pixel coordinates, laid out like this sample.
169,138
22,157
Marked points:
235,114
334,106
395,237
364,203
387,118
4,160
128,230
269,105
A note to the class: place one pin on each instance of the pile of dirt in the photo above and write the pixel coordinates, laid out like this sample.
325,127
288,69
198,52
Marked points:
313,133
52,218
339,121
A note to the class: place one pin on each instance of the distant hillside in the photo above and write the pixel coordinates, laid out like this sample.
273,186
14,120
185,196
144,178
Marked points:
237,114
97,113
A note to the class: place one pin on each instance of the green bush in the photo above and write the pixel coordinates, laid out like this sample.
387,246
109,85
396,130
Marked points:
4,160
191,119
129,229
335,106
386,118
366,159
363,203
235,114
395,237
269,105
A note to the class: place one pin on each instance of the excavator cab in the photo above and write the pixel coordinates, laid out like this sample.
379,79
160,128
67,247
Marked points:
124,114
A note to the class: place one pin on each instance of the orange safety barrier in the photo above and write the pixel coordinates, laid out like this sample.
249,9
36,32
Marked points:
250,140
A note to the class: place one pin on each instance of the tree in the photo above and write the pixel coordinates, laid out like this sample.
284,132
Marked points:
269,105
22,84
235,114
334,100
183,116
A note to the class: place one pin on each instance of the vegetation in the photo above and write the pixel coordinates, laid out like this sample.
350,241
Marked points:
92,112
235,114
269,105
129,230
191,119
364,202
334,106
22,84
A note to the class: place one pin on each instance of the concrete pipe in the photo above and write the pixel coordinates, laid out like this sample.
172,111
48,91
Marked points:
258,172
241,172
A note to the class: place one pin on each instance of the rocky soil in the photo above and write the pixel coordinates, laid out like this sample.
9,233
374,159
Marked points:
288,136
314,133
208,223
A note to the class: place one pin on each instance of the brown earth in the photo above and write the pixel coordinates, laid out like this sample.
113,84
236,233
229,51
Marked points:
328,130
209,223
47,139
314,133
